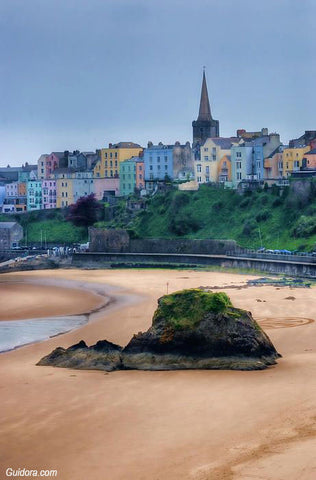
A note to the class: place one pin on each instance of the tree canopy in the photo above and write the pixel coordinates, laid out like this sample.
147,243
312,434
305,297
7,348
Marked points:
85,212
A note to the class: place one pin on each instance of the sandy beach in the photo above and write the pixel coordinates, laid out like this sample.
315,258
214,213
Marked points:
133,425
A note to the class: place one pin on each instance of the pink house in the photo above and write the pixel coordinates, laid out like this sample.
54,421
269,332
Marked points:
102,185
48,194
140,175
47,164
309,160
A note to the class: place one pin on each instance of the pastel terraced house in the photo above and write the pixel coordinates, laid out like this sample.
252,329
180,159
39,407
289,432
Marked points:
140,174
224,172
104,186
49,194
273,164
309,160
47,164
128,177
211,153
109,164
158,164
293,159
34,195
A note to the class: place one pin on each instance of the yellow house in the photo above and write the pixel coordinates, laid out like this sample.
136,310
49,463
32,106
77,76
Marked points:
64,187
109,163
293,159
211,152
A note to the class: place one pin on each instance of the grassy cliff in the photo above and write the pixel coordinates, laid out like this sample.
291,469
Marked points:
268,218
273,218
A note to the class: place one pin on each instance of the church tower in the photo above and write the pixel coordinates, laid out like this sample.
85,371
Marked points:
205,126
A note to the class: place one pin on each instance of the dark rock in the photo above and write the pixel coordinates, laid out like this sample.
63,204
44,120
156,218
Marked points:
103,355
196,329
191,329
81,344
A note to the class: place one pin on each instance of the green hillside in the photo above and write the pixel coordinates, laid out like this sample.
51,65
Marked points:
273,218
43,226
269,217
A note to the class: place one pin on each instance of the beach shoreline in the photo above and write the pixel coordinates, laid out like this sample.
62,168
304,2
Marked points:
196,425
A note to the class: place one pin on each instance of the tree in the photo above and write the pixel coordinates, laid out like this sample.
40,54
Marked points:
85,212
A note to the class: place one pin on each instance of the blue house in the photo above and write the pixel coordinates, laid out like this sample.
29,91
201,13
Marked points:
158,164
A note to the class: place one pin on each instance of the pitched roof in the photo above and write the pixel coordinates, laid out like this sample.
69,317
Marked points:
205,109
311,152
279,149
225,143
126,145
59,154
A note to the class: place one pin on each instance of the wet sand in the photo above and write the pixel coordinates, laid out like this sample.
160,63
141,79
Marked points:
163,425
20,300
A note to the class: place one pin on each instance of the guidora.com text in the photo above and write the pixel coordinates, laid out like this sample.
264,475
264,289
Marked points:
24,472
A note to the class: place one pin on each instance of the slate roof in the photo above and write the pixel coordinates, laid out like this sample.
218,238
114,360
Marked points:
311,152
126,145
225,143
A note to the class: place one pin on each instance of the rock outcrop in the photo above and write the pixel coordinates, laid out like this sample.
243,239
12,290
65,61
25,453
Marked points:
191,329
194,329
103,355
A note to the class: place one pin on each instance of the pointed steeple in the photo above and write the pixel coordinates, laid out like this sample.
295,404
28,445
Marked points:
205,126
205,109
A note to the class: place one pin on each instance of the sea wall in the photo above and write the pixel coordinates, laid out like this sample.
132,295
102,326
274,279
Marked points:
119,241
101,260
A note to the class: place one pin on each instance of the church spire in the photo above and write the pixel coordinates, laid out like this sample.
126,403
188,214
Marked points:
205,126
205,109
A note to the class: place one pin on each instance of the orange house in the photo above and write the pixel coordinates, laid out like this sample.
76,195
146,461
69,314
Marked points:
224,171
22,189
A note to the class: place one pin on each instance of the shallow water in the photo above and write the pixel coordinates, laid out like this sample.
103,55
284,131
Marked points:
15,333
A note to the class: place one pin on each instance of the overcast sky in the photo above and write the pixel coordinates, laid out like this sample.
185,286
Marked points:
78,74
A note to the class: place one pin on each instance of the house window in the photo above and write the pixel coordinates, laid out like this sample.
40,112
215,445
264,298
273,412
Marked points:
238,165
207,169
238,175
205,149
199,179
166,167
238,154
158,159
150,167
198,168
166,159
207,179
206,158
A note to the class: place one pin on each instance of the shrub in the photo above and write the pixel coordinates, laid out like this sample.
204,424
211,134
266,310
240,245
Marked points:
245,202
263,216
249,227
182,224
179,200
305,227
264,199
277,202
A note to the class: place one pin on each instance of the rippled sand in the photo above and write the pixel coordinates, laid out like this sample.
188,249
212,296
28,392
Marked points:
161,425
